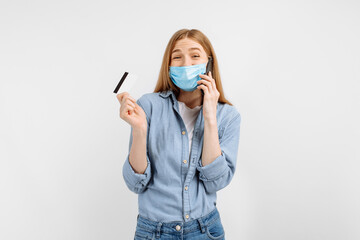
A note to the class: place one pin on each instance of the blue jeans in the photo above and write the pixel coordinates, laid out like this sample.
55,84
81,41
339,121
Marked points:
207,227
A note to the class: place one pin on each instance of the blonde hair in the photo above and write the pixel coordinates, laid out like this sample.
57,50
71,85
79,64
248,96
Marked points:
164,82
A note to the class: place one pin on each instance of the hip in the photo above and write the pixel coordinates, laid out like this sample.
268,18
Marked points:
206,227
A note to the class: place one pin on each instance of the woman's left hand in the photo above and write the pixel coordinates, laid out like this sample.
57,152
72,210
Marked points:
211,95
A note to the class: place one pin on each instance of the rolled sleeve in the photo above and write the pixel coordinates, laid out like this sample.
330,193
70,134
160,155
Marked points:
214,170
136,182
218,173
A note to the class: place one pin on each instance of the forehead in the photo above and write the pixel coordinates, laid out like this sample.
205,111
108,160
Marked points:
187,44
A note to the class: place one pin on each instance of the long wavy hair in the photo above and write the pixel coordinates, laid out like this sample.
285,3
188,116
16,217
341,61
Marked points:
164,82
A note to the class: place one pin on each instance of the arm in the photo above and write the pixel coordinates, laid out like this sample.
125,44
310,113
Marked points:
211,148
136,168
217,172
137,155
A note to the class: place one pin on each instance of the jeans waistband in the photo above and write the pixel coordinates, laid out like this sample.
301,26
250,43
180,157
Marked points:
177,226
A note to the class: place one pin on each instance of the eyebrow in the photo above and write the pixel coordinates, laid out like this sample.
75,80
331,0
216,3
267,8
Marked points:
193,48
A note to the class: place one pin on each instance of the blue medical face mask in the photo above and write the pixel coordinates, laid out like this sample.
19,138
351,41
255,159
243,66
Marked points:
186,77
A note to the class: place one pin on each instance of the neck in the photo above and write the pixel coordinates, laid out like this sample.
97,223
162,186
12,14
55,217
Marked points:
191,99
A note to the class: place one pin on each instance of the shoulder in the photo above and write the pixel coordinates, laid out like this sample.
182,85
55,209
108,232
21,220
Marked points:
154,97
150,101
148,98
228,113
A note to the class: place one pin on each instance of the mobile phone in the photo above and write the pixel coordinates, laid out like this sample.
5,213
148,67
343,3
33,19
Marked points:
209,68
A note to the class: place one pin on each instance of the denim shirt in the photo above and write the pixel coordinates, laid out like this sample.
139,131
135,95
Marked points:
175,186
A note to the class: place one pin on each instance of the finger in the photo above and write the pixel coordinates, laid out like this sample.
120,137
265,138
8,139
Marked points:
132,99
204,88
206,77
126,104
121,96
137,109
213,82
129,98
212,79
131,104
127,110
206,83
209,79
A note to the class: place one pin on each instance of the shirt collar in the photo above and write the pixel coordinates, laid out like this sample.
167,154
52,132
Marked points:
169,93
166,94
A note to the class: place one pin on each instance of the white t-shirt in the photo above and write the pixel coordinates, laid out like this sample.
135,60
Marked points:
189,116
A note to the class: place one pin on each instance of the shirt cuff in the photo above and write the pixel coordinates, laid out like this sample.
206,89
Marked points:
136,180
214,170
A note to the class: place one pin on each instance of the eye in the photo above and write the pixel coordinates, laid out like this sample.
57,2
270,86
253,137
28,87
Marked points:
196,56
175,57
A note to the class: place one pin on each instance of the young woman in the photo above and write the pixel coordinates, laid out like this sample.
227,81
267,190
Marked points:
183,144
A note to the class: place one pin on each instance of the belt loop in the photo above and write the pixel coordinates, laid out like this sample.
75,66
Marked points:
201,225
158,230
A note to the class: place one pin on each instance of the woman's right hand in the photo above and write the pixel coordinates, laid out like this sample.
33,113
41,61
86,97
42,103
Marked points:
131,112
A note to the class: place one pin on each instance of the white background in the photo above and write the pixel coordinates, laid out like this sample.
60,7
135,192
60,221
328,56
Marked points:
290,67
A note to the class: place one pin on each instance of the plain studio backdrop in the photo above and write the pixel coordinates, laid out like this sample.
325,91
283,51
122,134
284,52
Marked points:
291,68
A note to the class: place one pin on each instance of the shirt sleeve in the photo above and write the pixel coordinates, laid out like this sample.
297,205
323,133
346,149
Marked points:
136,182
219,173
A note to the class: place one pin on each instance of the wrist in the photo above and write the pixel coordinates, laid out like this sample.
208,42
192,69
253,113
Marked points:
139,131
211,121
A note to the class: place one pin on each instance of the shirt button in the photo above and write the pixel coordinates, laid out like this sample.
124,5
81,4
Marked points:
185,161
183,132
186,187
187,216
178,227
